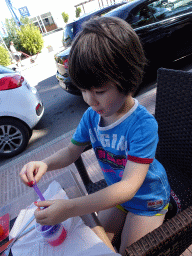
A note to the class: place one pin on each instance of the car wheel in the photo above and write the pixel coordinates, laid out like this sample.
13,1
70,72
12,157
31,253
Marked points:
14,137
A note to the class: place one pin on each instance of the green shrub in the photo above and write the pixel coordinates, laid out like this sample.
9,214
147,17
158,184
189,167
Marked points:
65,17
78,12
4,57
30,38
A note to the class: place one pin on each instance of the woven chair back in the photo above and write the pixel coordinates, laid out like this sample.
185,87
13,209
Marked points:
173,113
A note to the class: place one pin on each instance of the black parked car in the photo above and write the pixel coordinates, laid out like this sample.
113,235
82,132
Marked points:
164,27
71,29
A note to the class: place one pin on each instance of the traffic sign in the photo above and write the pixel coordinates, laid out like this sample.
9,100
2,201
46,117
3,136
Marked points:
24,11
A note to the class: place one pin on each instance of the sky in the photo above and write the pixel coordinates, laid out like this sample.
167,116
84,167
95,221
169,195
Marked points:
36,7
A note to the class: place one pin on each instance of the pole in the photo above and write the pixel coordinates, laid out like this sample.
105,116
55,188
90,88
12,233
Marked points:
10,7
83,8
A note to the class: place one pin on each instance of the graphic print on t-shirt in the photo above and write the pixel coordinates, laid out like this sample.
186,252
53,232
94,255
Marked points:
115,161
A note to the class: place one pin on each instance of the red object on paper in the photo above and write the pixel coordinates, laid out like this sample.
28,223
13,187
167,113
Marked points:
4,222
4,247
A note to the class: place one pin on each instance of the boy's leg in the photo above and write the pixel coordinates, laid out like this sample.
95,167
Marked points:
137,226
112,220
100,232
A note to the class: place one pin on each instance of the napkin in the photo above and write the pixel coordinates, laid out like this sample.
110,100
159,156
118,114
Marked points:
80,240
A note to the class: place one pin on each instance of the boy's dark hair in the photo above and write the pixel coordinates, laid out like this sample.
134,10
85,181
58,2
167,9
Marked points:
107,49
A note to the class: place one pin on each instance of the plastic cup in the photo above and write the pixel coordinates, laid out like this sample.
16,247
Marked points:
54,235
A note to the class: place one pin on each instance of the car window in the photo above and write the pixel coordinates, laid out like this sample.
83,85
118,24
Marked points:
68,35
71,29
109,9
160,10
4,70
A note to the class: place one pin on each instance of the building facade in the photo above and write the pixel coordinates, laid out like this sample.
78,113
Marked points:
45,22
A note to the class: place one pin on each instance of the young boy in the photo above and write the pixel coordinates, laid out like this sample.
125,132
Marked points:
106,63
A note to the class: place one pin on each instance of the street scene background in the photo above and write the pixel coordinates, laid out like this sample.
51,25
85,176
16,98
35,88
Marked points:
63,111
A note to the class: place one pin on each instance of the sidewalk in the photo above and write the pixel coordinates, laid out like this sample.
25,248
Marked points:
38,58
54,40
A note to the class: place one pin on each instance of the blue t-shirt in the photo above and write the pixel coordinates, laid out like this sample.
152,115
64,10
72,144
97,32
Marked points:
133,137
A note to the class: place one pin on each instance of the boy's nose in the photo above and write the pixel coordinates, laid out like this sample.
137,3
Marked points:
90,99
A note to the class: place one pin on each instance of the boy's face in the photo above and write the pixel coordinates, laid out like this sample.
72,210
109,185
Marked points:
107,101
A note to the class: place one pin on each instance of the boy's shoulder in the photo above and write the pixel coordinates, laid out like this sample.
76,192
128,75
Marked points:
143,113
143,118
142,126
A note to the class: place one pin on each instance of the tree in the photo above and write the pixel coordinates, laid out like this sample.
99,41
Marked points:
12,29
25,20
30,38
78,12
65,17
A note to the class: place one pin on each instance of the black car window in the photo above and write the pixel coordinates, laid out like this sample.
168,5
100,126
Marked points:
4,70
109,9
68,35
160,10
71,29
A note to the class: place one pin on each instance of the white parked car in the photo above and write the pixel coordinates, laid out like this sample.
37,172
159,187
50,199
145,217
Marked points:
20,110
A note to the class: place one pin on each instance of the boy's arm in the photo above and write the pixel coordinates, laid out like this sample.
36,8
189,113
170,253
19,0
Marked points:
120,192
64,157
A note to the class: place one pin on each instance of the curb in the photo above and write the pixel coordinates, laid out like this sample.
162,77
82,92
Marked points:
33,152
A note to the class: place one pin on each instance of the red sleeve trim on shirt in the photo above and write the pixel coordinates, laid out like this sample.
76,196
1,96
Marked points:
140,160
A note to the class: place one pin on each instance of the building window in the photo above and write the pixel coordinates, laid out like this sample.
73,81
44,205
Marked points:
44,22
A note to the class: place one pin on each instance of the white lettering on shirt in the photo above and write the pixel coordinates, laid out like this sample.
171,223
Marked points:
114,141
121,144
109,140
105,141
95,129
92,137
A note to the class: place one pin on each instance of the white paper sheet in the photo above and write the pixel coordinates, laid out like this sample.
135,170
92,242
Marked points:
80,240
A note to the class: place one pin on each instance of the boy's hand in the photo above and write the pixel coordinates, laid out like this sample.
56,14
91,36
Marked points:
33,171
56,212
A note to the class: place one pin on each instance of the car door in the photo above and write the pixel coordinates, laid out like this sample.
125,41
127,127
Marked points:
178,27
164,28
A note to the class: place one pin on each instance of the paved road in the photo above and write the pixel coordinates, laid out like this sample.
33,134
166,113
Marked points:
62,112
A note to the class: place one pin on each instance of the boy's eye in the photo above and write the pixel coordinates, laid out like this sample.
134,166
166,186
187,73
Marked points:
99,92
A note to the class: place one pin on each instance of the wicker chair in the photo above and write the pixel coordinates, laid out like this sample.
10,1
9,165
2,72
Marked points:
173,113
